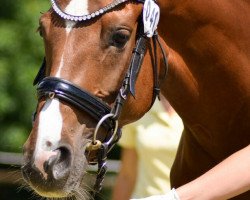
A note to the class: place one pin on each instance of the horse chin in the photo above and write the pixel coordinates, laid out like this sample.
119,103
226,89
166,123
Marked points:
57,195
59,189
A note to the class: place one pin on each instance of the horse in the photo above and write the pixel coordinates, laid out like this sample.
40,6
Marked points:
102,71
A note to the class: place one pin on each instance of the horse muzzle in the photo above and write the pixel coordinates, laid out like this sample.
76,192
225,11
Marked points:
49,171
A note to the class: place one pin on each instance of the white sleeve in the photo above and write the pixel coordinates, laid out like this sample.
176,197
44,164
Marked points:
172,195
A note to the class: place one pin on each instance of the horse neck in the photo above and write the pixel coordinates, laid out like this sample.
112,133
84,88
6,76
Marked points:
189,28
179,18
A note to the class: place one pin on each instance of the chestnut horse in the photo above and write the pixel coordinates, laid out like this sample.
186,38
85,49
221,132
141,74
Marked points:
89,50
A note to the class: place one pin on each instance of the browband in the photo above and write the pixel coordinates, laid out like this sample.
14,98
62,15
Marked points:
79,18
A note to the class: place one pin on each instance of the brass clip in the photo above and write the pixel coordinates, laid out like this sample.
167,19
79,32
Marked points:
51,95
94,146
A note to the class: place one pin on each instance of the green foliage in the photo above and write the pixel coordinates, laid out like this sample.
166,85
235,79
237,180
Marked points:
21,53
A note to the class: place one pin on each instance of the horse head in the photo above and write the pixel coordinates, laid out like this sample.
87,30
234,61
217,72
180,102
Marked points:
90,70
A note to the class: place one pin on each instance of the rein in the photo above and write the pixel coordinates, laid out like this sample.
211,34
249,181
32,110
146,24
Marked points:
107,117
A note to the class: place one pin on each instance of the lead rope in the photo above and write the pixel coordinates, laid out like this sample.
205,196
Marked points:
102,151
102,168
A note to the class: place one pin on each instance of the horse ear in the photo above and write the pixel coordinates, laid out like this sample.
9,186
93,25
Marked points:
41,73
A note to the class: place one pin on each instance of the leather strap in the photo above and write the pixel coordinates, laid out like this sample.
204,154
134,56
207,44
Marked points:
136,61
41,73
75,96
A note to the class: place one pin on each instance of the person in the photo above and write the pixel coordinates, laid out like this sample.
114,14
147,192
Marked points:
148,151
228,179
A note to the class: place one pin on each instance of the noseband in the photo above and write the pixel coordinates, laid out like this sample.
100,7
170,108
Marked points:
105,116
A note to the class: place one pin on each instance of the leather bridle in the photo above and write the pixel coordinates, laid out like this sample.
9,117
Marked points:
100,111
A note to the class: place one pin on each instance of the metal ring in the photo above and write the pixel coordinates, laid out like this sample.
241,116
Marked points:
99,125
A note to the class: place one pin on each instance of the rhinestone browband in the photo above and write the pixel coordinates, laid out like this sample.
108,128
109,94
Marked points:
76,18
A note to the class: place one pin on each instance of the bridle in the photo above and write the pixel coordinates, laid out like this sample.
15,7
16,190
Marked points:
106,117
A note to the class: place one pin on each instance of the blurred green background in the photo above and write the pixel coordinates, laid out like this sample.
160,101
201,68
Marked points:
21,54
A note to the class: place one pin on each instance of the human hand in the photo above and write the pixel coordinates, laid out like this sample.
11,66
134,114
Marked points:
172,195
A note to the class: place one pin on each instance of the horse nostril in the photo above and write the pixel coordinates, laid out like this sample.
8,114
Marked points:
48,165
64,156
58,166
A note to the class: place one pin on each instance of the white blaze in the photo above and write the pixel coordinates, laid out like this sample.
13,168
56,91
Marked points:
50,118
75,7
50,126
58,73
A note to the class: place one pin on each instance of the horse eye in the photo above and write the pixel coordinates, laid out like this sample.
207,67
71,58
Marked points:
39,30
120,38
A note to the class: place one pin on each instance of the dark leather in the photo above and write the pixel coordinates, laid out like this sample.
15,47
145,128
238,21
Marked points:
136,61
72,94
41,73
